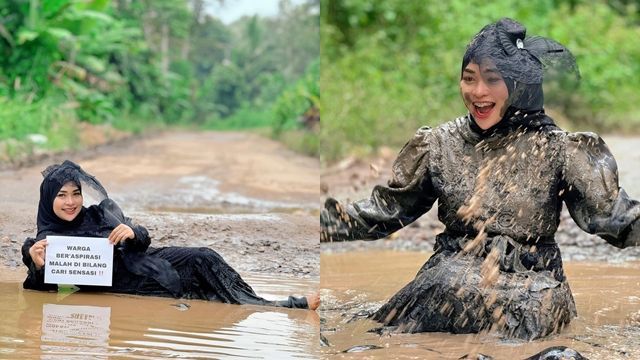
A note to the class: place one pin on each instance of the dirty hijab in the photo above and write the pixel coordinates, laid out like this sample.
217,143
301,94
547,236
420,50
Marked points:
55,176
523,61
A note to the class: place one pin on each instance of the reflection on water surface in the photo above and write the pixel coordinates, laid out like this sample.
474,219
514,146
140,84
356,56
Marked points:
68,325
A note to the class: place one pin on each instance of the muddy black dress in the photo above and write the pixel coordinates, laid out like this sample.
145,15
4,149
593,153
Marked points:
180,272
496,264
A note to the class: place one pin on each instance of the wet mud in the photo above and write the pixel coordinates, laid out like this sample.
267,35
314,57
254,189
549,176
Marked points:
247,197
355,284
358,277
353,179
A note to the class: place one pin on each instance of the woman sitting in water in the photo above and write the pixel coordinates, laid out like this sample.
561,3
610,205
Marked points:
192,273
500,175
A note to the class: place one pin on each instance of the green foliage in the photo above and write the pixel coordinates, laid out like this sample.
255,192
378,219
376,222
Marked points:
209,40
134,123
244,118
301,141
135,64
389,67
295,100
226,88
20,120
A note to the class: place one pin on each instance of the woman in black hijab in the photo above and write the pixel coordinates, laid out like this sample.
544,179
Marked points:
192,273
500,175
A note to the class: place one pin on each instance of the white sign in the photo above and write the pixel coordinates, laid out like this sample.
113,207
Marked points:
78,261
76,324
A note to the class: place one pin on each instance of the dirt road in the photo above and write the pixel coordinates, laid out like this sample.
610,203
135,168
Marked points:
247,197
353,179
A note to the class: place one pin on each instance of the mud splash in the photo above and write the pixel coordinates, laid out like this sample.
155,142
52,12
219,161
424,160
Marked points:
356,283
85,325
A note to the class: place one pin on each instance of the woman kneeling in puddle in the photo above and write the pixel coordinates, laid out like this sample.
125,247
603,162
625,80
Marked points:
500,175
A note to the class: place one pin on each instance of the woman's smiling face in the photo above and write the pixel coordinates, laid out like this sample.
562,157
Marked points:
484,93
68,202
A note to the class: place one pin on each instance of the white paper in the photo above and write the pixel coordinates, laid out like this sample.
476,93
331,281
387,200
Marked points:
78,261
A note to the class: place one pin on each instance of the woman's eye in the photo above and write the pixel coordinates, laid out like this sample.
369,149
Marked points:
467,79
60,195
494,80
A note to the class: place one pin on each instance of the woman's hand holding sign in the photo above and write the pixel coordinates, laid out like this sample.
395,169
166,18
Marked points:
121,233
38,252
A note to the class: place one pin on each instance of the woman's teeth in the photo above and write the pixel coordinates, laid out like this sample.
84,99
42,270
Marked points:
483,107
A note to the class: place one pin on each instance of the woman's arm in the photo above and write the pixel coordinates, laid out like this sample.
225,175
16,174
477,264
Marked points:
137,241
594,199
35,274
141,239
409,194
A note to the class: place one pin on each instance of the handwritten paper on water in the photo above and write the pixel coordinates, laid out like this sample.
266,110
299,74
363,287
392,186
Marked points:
78,261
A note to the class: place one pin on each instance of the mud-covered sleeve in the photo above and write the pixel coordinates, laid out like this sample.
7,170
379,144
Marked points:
35,277
592,194
408,195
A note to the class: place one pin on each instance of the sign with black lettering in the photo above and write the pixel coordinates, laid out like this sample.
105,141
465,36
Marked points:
78,261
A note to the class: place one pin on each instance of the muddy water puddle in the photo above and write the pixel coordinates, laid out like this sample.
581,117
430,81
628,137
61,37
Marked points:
73,325
607,298
228,209
205,195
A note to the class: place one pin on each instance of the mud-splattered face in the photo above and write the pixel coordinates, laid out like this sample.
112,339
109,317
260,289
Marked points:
484,93
68,202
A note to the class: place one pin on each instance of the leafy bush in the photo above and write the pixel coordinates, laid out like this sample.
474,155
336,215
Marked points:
296,99
44,124
133,64
244,118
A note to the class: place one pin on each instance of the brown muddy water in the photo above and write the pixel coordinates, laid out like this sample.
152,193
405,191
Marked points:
607,298
68,325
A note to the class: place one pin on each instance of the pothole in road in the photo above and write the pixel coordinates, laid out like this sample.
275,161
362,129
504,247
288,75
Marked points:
202,195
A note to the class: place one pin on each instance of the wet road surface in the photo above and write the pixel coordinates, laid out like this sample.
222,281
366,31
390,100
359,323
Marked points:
607,299
247,197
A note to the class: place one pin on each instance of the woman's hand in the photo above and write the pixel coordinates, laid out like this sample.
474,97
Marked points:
121,233
38,252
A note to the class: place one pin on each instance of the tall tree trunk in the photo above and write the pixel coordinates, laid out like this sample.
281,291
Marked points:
198,10
34,9
186,47
164,50
122,5
148,29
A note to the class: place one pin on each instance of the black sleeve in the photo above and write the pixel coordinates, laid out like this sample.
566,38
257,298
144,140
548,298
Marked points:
35,277
141,241
114,216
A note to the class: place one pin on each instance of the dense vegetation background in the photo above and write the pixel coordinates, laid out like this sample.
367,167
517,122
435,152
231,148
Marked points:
125,66
390,66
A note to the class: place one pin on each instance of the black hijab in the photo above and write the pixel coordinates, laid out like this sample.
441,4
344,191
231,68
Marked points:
521,61
99,221
87,222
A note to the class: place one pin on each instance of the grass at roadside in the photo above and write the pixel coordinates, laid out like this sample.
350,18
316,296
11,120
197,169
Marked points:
298,139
